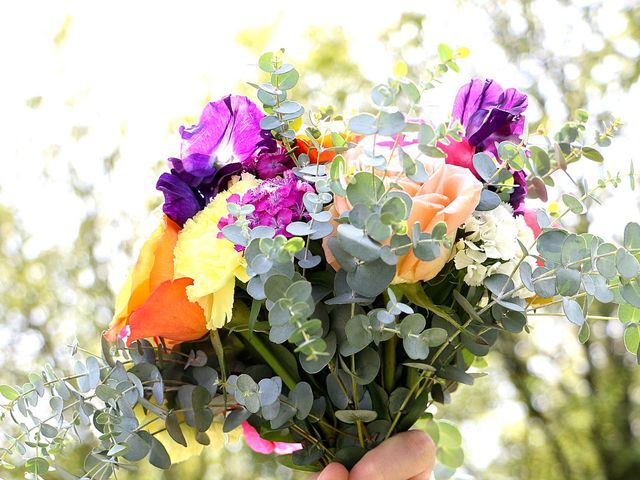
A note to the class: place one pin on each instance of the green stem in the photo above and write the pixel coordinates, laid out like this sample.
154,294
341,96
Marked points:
390,363
219,349
408,398
259,346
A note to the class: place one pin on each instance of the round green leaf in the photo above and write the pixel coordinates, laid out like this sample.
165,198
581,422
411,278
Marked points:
363,123
626,264
606,260
632,236
9,392
434,337
632,337
266,64
353,416
574,204
567,282
572,311
367,366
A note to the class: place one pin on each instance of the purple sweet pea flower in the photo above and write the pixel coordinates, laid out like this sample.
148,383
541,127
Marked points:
516,200
278,202
227,136
489,115
181,201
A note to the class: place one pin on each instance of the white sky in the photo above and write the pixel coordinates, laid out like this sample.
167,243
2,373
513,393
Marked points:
130,70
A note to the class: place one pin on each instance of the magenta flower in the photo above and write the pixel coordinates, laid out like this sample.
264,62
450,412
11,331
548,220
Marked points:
227,136
277,202
269,163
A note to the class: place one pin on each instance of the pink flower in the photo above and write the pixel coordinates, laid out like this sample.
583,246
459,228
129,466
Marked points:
531,221
266,447
459,153
278,202
269,163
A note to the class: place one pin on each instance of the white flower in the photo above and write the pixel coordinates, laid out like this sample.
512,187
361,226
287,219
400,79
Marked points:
469,255
475,275
491,245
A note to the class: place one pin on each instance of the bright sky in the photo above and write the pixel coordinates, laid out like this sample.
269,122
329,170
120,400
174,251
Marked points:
129,70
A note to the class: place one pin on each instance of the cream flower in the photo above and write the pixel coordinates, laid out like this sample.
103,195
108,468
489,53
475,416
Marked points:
491,246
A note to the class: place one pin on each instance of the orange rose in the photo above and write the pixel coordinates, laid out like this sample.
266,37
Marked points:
305,145
450,195
150,302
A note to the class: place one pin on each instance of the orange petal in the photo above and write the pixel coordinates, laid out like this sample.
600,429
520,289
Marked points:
169,314
154,266
306,146
162,269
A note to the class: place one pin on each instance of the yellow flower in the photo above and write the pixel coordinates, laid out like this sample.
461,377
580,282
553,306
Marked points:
213,263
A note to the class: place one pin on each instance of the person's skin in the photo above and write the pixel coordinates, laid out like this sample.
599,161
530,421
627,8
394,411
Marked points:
406,456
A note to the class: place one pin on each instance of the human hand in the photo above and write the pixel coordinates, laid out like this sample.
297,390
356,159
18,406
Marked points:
406,456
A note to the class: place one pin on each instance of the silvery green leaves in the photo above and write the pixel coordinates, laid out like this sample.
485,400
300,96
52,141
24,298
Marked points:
417,340
239,231
367,274
254,396
630,317
449,442
267,399
584,267
568,146
273,94
380,325
103,394
291,304
266,257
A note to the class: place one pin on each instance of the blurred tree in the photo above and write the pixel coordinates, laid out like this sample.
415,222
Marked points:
591,59
592,431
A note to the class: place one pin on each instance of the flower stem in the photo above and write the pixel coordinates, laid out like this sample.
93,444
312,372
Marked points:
219,349
259,346
390,363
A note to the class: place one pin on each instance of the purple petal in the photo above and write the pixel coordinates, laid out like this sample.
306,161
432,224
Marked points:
246,134
490,114
477,95
514,101
228,132
203,140
493,122
198,164
221,179
519,192
178,169
181,202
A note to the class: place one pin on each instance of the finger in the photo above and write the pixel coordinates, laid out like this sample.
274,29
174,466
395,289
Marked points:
426,475
333,471
401,457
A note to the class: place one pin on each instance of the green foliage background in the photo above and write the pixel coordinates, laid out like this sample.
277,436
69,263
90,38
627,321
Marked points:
578,417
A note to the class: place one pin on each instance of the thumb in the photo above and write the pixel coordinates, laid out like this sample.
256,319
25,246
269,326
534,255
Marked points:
333,471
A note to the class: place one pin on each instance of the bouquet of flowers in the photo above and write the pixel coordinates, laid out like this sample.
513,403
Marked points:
317,284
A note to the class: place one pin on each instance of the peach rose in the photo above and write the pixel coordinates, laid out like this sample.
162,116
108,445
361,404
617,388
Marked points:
450,195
